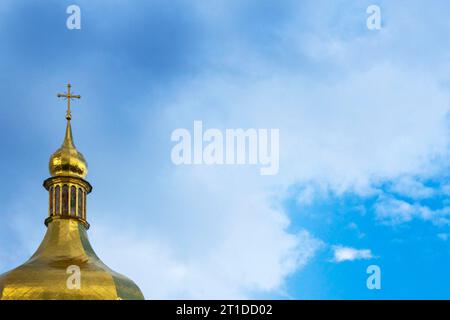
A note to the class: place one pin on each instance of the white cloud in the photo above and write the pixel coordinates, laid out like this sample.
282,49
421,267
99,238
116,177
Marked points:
348,133
236,260
342,254
367,119
306,195
199,231
411,187
333,134
394,211
337,132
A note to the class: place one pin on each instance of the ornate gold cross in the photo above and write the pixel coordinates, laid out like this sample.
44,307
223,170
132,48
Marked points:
69,96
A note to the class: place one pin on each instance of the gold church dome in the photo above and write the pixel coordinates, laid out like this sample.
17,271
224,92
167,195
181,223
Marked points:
65,266
67,160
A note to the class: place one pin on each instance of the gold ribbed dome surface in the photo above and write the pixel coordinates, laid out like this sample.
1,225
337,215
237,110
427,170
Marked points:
46,275
67,160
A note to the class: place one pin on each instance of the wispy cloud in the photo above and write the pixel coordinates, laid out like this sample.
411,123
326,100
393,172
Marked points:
391,210
342,254
411,187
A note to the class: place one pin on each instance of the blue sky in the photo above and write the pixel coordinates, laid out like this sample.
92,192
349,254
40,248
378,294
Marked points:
363,119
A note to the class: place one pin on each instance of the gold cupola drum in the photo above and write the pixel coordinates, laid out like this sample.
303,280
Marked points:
65,266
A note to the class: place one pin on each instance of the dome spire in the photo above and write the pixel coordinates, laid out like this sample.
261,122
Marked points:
67,160
68,139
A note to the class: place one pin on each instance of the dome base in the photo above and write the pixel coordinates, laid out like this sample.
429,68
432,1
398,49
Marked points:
65,267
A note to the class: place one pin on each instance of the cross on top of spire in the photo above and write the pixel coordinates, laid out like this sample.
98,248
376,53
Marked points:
68,96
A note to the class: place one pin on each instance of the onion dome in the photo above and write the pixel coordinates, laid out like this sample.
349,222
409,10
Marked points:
67,161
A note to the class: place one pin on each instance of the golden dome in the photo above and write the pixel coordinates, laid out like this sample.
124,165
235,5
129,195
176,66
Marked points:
65,266
67,161
48,273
